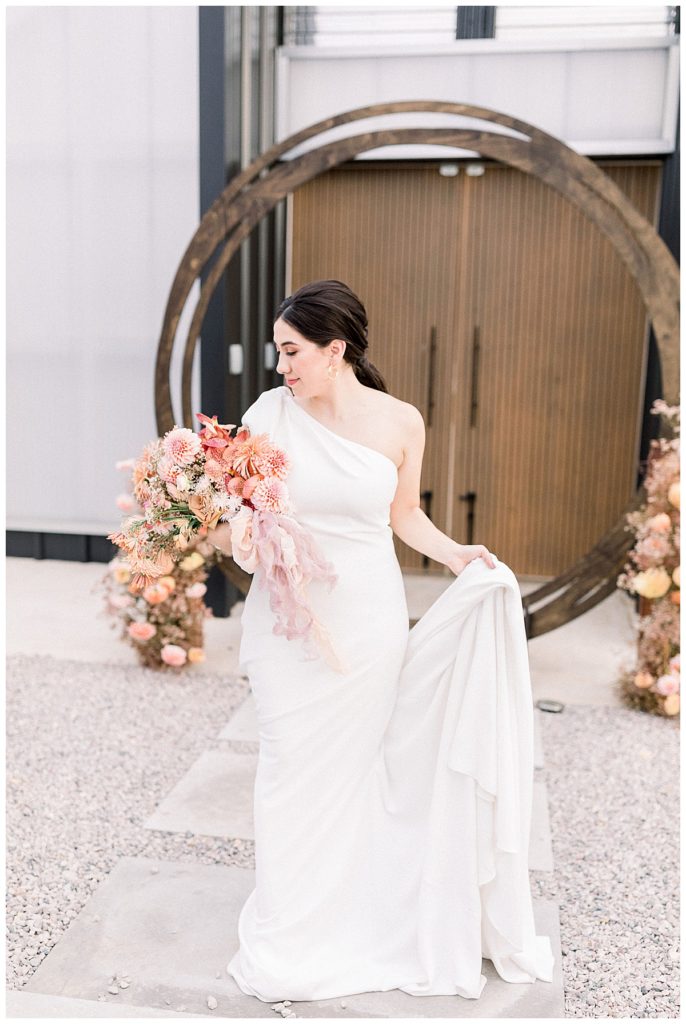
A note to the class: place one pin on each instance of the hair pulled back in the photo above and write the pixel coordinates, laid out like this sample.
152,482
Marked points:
324,310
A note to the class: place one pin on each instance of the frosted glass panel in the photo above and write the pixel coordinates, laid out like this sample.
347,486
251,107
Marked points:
102,199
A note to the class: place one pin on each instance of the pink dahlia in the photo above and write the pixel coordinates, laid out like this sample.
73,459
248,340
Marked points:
182,445
270,495
273,462
247,454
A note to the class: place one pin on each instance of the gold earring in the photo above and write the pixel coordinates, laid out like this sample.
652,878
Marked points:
329,369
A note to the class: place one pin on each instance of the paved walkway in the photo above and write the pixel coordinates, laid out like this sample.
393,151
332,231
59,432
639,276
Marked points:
154,929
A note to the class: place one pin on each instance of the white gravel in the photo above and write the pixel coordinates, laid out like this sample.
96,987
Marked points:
612,776
91,751
93,748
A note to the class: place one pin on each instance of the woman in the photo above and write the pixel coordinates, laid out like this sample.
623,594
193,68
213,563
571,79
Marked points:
392,801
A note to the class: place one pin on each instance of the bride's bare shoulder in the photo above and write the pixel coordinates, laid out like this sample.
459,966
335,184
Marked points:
403,414
401,423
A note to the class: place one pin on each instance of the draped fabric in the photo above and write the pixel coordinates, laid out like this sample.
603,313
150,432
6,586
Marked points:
392,802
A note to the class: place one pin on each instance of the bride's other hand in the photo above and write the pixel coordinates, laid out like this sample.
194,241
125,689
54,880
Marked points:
467,553
220,537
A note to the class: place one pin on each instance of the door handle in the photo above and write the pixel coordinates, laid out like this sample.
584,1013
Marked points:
476,351
432,377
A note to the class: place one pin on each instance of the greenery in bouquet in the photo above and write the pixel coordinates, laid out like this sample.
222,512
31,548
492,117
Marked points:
653,572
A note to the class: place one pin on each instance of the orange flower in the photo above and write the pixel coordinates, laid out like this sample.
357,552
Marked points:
249,453
156,592
643,680
671,704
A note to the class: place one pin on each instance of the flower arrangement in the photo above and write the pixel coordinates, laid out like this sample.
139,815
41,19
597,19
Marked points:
186,483
653,572
163,622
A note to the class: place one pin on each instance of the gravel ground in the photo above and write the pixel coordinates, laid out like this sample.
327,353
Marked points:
612,776
93,748
91,751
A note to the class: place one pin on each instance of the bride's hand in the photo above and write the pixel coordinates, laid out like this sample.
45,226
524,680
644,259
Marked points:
220,537
467,553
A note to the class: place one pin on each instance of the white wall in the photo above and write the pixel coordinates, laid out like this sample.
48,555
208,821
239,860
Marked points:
102,199
600,96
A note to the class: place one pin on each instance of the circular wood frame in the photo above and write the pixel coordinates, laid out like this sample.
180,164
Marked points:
253,193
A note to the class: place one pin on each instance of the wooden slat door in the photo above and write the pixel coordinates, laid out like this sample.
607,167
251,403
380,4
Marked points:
391,236
562,332
543,430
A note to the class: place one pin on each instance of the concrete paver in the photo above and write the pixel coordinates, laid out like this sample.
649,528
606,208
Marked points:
171,927
213,798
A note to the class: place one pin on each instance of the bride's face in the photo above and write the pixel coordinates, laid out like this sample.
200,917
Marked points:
302,363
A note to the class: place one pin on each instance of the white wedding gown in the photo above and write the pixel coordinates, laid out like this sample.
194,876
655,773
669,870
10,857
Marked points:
392,803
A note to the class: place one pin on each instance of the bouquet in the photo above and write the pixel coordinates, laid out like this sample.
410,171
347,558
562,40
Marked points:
187,482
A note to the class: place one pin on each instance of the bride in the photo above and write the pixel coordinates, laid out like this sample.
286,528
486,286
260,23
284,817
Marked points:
392,800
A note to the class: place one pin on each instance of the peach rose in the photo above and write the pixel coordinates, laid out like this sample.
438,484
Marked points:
202,506
172,654
192,561
242,546
643,680
141,630
676,576
122,574
155,593
661,523
671,704
676,597
196,655
652,583
674,494
169,582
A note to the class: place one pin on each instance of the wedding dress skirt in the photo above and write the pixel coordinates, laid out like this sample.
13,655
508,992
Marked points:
392,803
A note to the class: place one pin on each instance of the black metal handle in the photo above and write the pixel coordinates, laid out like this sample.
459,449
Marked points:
470,498
432,377
476,349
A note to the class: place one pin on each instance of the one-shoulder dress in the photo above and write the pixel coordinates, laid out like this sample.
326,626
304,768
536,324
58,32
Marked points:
392,802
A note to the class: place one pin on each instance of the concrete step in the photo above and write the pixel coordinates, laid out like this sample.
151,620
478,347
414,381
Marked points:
39,1007
216,796
172,928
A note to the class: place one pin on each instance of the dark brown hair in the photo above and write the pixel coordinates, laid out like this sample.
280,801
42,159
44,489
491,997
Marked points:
324,310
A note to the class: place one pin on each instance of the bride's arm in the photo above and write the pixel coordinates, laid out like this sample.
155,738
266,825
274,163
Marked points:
408,520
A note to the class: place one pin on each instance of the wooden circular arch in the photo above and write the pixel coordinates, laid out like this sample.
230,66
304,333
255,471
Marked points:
253,193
